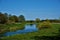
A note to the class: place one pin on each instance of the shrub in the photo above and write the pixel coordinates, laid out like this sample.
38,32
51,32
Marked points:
44,24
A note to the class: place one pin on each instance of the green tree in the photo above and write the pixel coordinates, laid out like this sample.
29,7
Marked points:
13,18
47,20
21,18
6,16
2,18
37,20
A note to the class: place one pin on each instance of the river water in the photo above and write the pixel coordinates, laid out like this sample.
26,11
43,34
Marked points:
28,28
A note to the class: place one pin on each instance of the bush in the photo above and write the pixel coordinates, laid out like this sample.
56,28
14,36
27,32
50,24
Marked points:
44,24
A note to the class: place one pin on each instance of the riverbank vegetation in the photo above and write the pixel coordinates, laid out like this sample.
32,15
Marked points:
52,32
45,24
10,23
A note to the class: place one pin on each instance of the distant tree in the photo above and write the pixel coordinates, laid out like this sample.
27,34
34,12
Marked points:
2,18
9,15
37,20
6,16
21,18
47,20
13,18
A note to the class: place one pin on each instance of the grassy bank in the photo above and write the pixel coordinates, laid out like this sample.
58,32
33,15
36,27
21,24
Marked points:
10,27
53,31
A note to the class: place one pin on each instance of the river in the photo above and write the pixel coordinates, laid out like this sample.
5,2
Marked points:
28,28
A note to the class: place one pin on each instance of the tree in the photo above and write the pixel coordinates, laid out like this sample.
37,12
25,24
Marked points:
6,16
21,18
13,18
2,18
47,20
37,20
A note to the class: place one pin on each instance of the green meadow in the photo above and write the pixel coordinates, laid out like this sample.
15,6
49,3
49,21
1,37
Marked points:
53,31
47,29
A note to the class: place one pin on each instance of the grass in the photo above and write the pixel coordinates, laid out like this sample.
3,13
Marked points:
29,36
10,27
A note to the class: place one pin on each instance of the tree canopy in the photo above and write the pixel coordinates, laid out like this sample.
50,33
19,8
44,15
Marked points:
37,20
21,18
2,18
5,18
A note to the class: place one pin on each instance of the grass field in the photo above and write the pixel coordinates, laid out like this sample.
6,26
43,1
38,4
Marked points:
53,31
10,27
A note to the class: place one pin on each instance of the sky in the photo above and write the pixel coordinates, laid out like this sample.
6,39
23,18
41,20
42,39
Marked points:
32,9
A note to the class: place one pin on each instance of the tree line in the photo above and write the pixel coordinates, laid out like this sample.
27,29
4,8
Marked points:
8,18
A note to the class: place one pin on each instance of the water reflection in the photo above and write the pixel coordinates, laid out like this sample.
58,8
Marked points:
28,28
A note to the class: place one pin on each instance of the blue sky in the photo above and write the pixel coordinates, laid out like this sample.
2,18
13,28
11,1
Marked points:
32,9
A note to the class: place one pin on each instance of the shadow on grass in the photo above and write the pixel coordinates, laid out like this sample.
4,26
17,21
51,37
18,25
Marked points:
46,37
